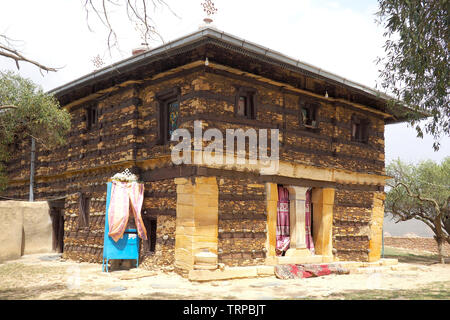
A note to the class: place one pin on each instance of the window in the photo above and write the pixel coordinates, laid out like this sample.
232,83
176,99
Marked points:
84,203
169,112
360,129
245,103
91,116
173,113
308,115
242,106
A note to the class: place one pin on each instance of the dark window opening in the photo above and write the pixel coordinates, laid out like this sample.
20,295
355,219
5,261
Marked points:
245,103
91,117
360,130
169,112
242,106
308,115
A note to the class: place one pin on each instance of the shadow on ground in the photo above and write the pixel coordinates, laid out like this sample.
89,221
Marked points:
432,291
33,292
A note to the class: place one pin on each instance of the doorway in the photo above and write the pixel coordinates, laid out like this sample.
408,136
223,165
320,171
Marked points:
150,226
321,224
57,217
309,217
294,219
283,234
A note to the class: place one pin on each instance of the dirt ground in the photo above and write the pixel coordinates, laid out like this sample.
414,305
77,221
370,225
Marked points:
46,276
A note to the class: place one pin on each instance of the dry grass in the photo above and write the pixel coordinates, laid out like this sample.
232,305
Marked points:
412,256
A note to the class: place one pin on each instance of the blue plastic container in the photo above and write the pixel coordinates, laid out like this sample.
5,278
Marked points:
125,248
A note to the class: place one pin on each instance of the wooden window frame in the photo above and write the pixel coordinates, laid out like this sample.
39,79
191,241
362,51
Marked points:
250,111
362,132
313,108
164,98
91,116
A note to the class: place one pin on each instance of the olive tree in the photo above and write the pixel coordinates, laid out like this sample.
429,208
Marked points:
422,192
415,66
26,111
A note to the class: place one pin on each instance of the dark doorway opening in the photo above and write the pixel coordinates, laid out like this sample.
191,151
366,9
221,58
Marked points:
57,216
150,226
283,232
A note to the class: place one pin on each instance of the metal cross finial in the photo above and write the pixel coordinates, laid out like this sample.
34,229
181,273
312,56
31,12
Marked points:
209,8
127,172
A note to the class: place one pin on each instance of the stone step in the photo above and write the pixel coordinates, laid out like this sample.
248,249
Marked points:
206,258
299,260
205,266
222,274
359,264
225,273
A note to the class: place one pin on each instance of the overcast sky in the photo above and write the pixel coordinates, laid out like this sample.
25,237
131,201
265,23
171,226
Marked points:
340,36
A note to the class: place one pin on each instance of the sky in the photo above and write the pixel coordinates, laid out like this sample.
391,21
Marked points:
340,36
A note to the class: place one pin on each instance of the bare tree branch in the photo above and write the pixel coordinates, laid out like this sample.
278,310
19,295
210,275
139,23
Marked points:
8,106
417,196
434,223
137,12
15,55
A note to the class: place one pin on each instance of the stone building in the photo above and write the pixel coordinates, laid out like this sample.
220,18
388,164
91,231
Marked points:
331,139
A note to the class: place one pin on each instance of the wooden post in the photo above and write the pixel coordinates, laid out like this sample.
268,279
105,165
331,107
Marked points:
32,168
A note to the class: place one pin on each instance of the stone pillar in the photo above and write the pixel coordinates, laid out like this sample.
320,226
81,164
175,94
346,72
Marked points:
323,202
297,201
197,219
271,205
376,226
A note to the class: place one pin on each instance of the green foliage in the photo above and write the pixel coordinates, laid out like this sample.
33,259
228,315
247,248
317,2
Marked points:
425,181
415,67
30,112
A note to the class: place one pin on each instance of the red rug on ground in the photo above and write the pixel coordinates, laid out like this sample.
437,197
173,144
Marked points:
299,271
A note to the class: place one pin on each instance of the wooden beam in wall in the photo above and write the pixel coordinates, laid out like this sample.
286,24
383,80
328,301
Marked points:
235,71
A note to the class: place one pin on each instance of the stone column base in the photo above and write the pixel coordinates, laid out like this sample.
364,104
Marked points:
298,252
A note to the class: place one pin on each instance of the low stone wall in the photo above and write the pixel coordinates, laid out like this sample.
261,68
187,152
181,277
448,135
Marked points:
417,243
26,229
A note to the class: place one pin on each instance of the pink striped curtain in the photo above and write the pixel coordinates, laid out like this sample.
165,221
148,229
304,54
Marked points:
122,194
282,234
309,239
